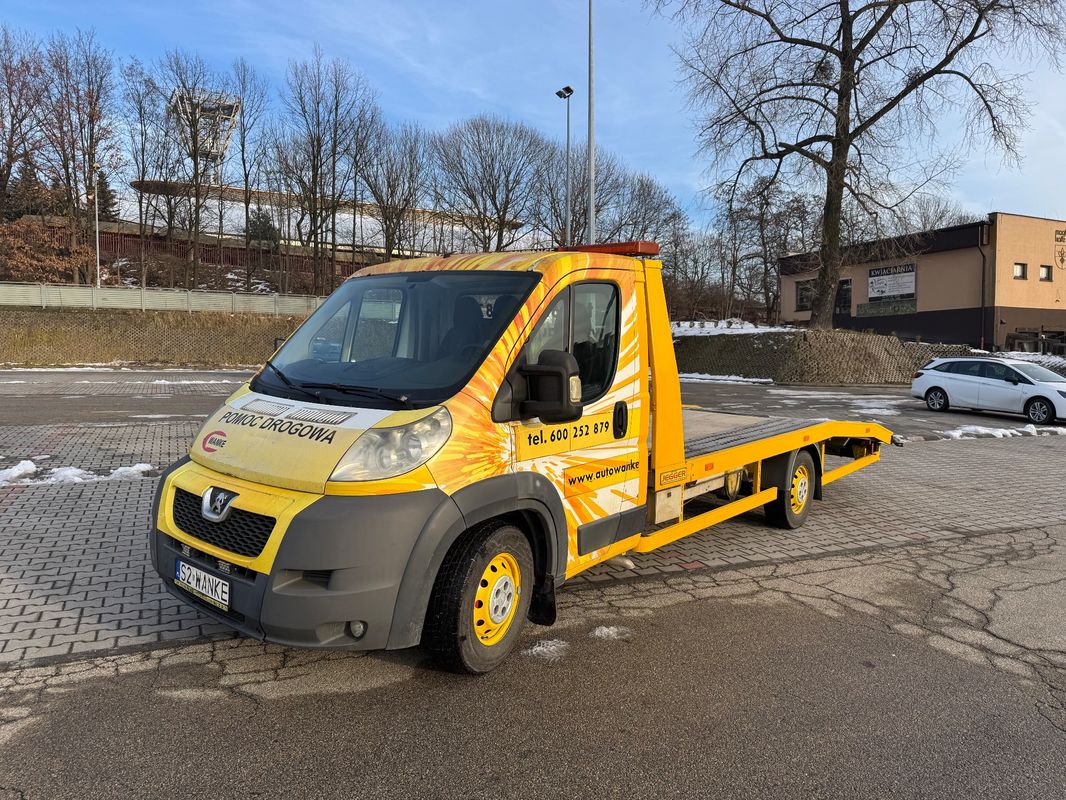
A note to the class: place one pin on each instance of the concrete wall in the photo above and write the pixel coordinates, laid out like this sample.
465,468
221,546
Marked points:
49,337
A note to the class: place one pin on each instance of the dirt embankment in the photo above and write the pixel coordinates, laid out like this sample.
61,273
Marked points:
829,357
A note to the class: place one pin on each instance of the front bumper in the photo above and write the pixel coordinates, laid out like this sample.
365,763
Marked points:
341,560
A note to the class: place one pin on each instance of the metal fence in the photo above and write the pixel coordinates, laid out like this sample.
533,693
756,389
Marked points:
44,295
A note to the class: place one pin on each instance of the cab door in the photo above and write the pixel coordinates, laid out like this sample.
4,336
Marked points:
595,462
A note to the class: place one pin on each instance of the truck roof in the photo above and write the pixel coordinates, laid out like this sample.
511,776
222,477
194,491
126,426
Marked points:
622,255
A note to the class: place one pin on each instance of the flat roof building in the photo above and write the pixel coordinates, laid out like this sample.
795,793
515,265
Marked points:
975,284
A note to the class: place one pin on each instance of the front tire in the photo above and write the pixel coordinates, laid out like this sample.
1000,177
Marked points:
480,599
793,502
1039,411
937,399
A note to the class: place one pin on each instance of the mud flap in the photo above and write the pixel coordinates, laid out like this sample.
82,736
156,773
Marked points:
542,609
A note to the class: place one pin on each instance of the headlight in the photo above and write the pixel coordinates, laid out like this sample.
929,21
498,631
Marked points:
388,452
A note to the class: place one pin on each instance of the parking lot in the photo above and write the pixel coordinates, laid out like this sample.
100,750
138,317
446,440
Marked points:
942,567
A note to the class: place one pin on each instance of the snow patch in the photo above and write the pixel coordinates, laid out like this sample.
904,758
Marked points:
724,327
1056,363
21,472
161,380
875,410
702,377
984,432
548,649
17,472
612,632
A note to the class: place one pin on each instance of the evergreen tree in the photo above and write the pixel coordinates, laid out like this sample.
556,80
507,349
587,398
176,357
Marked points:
108,198
261,228
27,194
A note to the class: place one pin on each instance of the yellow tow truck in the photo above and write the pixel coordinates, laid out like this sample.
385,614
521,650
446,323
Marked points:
447,440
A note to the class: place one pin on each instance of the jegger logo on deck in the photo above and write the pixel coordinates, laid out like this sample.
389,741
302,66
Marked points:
214,441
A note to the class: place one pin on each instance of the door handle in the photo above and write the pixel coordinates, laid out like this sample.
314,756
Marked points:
621,419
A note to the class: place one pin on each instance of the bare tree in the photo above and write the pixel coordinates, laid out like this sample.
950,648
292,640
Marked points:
772,223
842,90
144,125
324,104
925,212
487,169
75,118
642,209
250,87
691,273
395,174
20,94
549,216
189,89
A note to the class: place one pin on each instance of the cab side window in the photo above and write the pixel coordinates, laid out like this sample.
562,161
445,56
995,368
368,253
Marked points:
583,321
552,331
595,336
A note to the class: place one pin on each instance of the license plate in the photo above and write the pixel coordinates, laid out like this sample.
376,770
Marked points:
202,584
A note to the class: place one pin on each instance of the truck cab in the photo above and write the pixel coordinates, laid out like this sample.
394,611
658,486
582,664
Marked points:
446,440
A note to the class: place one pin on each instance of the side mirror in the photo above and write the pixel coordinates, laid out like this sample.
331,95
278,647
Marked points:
554,388
278,342
1013,379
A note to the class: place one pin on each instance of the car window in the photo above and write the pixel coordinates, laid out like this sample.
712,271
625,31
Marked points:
968,368
945,367
1038,373
997,372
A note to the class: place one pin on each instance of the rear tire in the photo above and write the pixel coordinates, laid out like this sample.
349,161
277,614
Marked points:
480,599
793,502
937,399
1040,411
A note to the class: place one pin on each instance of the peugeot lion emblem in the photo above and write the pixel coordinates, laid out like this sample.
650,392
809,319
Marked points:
216,504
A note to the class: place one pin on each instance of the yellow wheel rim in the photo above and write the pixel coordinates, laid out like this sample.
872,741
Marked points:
496,600
801,489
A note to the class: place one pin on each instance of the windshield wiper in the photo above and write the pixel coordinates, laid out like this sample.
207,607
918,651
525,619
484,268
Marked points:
284,379
368,391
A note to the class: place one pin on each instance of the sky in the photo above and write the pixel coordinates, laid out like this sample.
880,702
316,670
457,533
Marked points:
437,61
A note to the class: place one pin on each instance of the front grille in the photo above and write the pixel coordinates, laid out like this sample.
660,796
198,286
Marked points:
242,532
202,559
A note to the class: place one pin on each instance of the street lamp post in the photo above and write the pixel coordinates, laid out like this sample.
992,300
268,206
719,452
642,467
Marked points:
565,93
592,146
96,214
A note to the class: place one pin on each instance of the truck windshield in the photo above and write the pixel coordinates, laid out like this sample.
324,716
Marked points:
406,340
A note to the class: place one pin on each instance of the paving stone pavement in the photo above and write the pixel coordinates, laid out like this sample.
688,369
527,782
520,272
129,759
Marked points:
75,576
97,447
29,383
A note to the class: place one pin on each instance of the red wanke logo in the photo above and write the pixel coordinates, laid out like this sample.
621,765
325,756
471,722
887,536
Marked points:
214,441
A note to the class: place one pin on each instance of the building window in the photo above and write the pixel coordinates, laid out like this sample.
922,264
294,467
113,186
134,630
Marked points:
804,295
843,301
1045,272
1021,272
